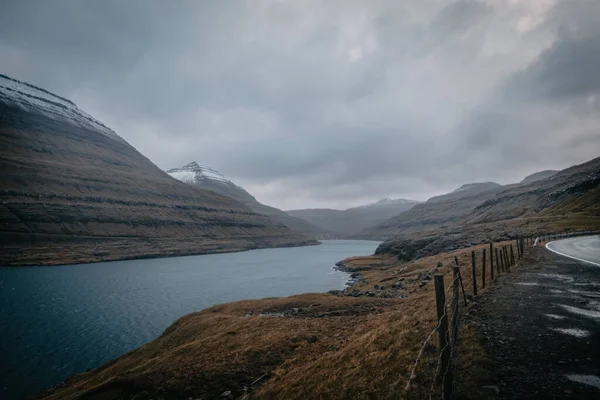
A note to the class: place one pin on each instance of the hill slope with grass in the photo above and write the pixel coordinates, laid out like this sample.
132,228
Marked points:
73,191
567,200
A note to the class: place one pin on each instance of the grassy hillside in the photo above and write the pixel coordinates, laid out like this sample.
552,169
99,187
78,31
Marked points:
566,201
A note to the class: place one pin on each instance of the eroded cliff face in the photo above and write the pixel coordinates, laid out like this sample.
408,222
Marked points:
72,190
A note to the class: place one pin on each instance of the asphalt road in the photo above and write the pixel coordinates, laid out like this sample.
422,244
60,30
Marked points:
586,248
540,326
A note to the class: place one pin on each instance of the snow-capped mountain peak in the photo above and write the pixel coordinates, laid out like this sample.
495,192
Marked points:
194,173
33,99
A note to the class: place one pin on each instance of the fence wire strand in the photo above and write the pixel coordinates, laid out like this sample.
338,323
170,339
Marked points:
427,340
450,342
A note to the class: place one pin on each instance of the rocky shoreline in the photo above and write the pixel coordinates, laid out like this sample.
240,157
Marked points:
354,278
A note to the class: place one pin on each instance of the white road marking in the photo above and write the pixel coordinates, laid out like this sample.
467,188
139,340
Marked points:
566,255
591,380
581,311
580,333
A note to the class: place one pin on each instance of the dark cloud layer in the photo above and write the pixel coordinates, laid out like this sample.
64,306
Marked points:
331,104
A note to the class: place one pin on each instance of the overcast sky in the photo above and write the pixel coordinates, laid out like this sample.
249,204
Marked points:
326,103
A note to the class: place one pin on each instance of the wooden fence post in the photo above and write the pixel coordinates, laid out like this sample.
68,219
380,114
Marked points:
491,261
512,255
483,270
497,261
474,273
460,279
501,263
455,294
522,247
440,301
518,249
506,259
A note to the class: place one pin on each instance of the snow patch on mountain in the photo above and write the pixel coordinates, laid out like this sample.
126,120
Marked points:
34,99
387,202
194,173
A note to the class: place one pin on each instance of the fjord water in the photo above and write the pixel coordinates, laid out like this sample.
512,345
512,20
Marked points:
59,321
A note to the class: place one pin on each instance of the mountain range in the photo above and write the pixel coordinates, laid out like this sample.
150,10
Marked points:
210,179
73,191
352,221
544,202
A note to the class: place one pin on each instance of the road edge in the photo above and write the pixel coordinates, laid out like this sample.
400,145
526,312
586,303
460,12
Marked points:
566,255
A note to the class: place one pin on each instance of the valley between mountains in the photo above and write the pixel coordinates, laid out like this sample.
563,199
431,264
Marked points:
73,191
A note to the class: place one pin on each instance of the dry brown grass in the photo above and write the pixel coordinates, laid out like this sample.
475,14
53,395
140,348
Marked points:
306,346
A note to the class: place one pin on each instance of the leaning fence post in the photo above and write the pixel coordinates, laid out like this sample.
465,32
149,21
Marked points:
460,279
506,258
492,260
474,273
483,270
440,302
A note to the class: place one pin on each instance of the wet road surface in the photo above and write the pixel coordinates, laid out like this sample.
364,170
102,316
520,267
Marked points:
540,327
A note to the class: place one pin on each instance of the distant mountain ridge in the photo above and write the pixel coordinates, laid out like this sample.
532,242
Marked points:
387,202
210,179
352,221
546,202
469,189
539,176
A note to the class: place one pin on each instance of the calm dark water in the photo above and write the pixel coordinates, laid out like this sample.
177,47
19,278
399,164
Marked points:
58,321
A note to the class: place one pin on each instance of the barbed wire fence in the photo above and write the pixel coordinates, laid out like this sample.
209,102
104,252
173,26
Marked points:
451,302
499,260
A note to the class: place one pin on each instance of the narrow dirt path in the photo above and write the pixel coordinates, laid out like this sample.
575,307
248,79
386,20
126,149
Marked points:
540,328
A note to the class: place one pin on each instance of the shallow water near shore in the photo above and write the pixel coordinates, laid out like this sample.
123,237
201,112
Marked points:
58,321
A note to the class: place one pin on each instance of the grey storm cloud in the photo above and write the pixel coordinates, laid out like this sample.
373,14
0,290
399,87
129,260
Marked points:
332,104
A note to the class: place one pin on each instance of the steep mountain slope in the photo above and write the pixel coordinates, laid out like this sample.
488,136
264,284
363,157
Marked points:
567,200
209,179
469,189
538,176
352,221
72,190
